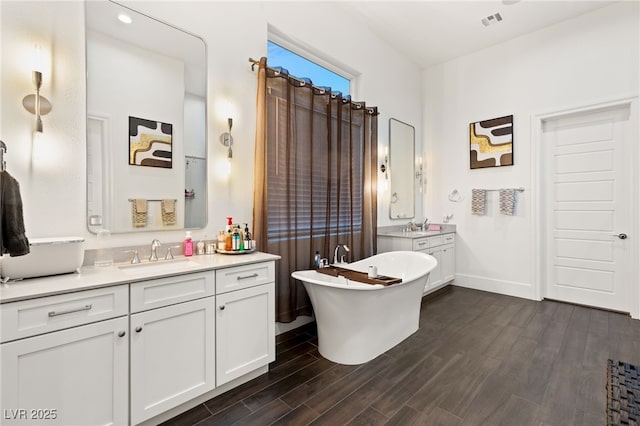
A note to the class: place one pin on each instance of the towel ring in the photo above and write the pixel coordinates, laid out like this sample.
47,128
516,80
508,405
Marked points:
455,196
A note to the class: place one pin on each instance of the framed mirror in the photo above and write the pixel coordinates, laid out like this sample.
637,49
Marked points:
401,170
146,122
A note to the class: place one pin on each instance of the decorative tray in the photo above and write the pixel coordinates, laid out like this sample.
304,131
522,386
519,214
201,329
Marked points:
361,277
235,251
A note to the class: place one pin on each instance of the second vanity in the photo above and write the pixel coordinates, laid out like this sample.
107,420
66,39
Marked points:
136,345
439,244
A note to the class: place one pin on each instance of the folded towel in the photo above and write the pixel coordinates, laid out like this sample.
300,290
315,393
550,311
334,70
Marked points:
168,212
141,205
508,201
139,212
169,206
478,201
13,239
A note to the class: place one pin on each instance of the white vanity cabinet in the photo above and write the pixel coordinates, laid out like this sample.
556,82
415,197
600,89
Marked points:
65,359
172,342
136,351
448,264
245,319
441,247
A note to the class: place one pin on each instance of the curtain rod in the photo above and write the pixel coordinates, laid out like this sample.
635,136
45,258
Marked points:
322,90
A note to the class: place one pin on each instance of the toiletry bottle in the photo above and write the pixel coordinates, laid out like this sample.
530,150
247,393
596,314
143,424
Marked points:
236,239
316,260
229,223
200,247
247,237
187,245
228,241
240,239
221,240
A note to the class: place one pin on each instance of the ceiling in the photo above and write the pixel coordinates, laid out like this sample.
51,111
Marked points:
429,32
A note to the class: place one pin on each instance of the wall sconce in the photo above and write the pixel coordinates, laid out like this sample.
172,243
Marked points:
420,173
227,140
384,167
36,104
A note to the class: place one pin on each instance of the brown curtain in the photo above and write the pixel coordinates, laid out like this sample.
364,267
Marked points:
315,179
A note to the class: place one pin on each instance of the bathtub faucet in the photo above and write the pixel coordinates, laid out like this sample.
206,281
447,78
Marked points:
335,253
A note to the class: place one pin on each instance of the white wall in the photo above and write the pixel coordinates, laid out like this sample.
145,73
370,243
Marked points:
52,175
589,59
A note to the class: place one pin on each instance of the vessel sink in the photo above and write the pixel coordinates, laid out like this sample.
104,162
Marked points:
159,267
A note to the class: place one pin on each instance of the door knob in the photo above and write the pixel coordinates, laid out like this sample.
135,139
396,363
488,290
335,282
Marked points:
622,236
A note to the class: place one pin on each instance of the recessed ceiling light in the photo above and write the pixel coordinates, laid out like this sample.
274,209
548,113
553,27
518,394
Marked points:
125,18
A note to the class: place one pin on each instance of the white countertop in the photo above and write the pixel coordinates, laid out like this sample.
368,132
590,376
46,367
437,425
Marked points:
90,277
414,234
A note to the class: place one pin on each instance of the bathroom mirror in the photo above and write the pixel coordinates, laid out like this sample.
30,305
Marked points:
401,170
146,122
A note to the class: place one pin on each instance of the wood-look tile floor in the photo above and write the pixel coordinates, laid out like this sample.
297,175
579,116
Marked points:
478,358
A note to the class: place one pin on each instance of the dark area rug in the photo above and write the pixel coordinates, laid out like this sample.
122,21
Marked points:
623,393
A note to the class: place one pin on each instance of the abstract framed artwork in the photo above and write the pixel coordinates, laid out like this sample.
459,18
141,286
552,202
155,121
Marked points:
491,143
150,143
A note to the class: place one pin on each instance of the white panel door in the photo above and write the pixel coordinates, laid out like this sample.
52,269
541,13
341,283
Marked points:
435,276
587,199
245,331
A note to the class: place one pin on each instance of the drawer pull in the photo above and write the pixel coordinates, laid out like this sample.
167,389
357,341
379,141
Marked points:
70,311
422,244
246,277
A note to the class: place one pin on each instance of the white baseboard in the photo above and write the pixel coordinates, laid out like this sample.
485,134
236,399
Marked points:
508,288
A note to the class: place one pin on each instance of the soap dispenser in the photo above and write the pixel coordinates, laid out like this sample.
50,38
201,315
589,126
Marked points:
187,245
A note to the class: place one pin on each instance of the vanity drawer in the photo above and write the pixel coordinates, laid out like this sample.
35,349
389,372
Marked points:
449,238
47,314
420,244
153,294
237,277
436,240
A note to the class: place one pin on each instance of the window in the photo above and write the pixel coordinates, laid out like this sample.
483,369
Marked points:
299,66
316,166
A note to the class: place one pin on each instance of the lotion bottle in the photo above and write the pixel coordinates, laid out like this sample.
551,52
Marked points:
187,245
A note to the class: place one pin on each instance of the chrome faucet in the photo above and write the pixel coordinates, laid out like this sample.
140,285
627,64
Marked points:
154,247
425,224
335,253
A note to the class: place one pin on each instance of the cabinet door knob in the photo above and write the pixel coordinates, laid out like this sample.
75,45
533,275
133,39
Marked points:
138,329
222,307
121,334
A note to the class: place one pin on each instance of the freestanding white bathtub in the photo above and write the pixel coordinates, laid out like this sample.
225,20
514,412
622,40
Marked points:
356,321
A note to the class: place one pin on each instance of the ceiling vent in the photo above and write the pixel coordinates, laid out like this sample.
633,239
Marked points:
491,19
